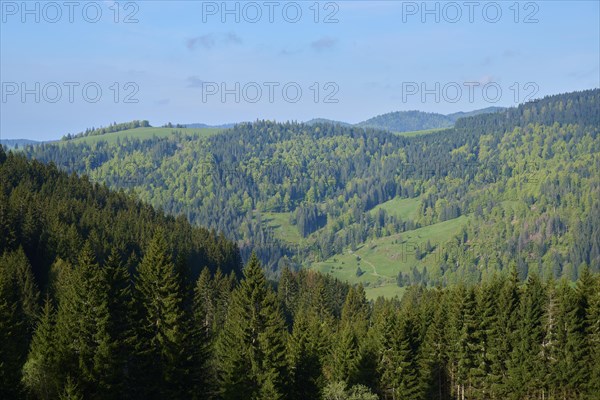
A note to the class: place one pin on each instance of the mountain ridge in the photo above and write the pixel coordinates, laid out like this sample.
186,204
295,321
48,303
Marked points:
300,194
440,121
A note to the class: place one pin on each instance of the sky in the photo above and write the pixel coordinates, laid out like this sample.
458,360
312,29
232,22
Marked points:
69,65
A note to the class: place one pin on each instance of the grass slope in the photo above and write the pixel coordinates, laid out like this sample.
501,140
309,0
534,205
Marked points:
419,133
142,134
406,209
282,228
381,259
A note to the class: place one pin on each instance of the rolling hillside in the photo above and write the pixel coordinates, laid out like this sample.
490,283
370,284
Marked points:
301,194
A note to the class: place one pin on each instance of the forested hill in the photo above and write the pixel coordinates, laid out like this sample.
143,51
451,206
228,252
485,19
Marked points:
517,187
50,215
102,297
407,121
17,143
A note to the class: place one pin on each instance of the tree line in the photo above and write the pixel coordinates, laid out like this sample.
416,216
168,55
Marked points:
100,332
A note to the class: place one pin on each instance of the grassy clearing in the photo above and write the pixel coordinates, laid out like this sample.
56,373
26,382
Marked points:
419,133
142,134
280,223
405,209
381,259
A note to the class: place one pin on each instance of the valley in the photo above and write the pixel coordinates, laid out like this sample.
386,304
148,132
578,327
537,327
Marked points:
281,200
321,196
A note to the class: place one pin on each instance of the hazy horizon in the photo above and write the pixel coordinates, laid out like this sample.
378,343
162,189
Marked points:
67,68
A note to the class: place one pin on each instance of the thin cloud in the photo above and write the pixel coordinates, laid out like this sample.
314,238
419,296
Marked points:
510,54
286,52
194,82
212,40
325,43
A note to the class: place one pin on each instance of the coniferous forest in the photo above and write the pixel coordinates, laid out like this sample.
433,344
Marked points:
104,297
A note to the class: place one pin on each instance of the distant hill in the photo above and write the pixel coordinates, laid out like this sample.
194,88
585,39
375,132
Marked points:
17,143
326,121
201,125
413,122
487,110
399,121
409,121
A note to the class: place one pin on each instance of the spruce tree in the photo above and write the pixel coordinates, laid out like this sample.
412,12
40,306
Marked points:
550,350
251,347
40,372
120,324
586,289
503,335
287,292
13,332
486,312
525,372
202,334
385,328
355,312
467,345
85,348
306,347
162,332
593,343
570,372
344,359
29,295
434,358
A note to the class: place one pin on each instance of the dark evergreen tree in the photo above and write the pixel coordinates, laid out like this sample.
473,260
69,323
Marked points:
251,347
468,346
84,346
162,336
41,371
593,343
525,375
570,373
203,336
434,357
307,346
344,359
120,324
13,331
503,335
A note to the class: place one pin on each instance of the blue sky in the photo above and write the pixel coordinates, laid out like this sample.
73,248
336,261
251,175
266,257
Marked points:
370,58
